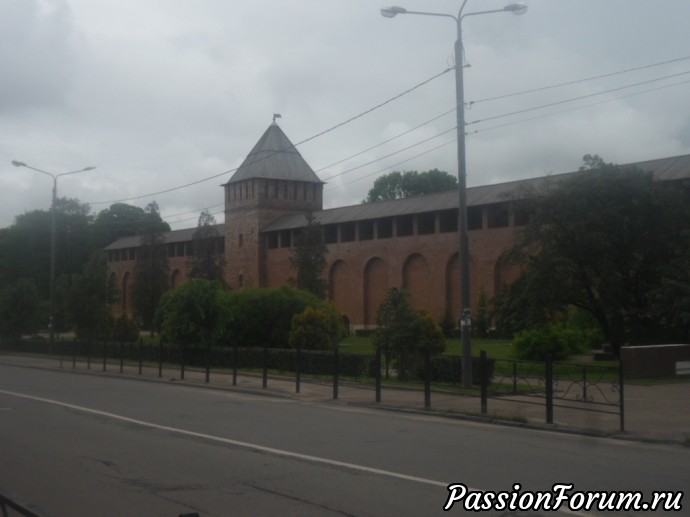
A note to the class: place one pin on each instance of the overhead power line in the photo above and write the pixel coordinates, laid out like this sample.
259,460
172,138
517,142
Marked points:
578,81
393,153
351,119
395,164
557,103
526,120
195,211
386,141
575,108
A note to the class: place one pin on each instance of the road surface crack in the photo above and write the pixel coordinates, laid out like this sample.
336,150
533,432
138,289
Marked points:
300,500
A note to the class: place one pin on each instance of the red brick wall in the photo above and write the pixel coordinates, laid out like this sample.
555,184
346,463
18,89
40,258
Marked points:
360,272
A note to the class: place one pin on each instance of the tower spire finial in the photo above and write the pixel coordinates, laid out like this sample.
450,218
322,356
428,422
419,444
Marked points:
275,116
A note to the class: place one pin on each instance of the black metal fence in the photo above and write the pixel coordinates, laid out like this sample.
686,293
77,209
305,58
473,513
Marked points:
560,385
568,386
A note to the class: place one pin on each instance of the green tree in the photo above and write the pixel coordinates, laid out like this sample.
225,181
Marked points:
120,220
208,261
315,329
21,311
151,269
609,240
263,316
26,245
192,314
88,298
399,185
310,258
404,332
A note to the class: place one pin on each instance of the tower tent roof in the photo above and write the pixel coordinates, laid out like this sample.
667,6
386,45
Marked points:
275,157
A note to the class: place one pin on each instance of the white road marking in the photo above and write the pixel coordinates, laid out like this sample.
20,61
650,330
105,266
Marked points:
256,447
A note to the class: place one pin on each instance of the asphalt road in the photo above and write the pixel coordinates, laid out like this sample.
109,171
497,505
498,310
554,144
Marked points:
86,445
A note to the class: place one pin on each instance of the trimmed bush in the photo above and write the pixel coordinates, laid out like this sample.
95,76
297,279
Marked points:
315,329
263,316
192,313
556,341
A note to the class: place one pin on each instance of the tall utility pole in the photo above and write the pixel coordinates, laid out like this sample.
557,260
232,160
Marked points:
465,296
52,241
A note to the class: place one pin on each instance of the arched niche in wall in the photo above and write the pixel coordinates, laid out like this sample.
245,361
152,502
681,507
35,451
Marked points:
375,287
416,279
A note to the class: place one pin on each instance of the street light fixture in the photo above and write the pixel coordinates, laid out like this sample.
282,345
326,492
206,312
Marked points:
52,239
465,299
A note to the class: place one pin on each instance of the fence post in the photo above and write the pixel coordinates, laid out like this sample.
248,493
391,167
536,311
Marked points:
621,385
548,380
264,383
298,373
141,354
61,342
483,371
234,364
122,356
208,363
160,358
182,361
514,377
88,354
105,351
74,354
427,378
377,367
584,382
336,372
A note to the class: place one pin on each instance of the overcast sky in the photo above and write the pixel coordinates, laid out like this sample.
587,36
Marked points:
158,94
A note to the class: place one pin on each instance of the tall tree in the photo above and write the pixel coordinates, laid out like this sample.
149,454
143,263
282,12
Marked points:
310,258
405,332
615,243
399,185
20,309
25,246
120,220
208,259
88,298
151,269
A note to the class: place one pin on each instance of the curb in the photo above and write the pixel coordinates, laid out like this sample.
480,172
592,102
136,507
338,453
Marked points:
593,433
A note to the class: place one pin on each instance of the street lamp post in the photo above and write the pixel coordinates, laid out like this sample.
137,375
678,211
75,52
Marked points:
465,297
52,240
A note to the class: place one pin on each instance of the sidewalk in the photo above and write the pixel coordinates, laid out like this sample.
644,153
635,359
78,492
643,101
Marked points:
659,413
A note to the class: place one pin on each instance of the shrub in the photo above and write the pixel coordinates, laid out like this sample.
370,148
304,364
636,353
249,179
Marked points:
315,329
557,340
191,314
404,332
263,316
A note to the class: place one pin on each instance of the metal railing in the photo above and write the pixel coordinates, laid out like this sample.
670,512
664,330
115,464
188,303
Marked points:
565,386
570,386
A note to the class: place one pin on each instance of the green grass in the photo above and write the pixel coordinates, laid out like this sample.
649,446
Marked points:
496,348
500,349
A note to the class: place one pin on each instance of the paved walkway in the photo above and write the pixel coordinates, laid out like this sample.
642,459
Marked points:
652,413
